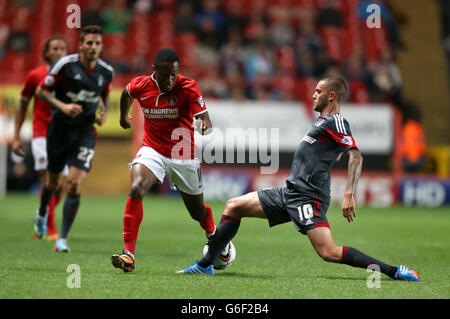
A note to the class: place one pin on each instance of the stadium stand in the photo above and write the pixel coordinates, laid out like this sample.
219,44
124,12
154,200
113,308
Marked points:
301,40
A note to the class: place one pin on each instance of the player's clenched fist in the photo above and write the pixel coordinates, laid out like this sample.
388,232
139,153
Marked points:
125,122
101,119
18,147
72,109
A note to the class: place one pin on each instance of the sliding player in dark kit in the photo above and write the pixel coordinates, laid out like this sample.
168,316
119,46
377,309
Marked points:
306,197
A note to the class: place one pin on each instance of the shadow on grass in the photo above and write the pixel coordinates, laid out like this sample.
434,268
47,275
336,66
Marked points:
219,273
348,278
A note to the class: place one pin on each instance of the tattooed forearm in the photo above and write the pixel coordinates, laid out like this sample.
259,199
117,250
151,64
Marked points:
48,98
354,170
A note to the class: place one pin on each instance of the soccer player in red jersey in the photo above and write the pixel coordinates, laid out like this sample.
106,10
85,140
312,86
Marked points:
54,48
170,102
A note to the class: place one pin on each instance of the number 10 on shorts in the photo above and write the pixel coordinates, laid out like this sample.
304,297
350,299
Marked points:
305,212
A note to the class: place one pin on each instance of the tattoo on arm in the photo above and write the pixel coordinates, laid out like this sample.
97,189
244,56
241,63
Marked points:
354,169
49,98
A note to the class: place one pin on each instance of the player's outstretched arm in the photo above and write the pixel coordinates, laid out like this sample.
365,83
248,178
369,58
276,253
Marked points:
354,171
18,122
125,104
70,109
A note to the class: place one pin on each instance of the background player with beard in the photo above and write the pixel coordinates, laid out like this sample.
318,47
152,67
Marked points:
169,102
79,82
306,197
54,48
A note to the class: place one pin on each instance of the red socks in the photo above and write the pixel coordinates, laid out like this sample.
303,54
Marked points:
51,213
208,223
132,218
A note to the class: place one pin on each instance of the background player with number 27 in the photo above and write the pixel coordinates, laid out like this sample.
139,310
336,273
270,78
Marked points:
169,102
75,86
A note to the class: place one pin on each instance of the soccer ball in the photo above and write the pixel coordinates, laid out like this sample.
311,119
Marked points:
226,258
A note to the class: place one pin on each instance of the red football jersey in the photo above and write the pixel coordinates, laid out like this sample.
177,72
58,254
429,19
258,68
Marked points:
168,115
41,110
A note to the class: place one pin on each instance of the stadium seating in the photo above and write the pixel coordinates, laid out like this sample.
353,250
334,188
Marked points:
147,32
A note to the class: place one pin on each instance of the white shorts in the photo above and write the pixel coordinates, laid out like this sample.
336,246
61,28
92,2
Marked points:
185,175
39,151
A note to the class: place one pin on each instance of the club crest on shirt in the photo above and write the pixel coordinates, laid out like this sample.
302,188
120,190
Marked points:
49,80
171,100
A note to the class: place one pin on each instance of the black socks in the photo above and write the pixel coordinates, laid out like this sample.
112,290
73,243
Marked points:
70,209
355,258
226,230
46,196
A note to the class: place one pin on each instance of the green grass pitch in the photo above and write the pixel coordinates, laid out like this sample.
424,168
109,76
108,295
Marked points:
276,263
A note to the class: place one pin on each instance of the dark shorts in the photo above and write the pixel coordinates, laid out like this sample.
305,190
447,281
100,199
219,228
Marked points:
70,145
282,205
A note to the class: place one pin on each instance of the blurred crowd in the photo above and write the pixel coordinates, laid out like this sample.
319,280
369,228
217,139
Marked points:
253,49
261,50
239,50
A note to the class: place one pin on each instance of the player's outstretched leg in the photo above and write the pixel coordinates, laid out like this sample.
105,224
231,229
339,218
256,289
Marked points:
124,261
324,245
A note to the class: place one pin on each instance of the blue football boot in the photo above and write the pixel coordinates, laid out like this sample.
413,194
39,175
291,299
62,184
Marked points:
40,227
404,273
196,269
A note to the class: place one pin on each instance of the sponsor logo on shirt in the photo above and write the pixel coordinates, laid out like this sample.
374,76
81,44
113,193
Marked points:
164,113
83,96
